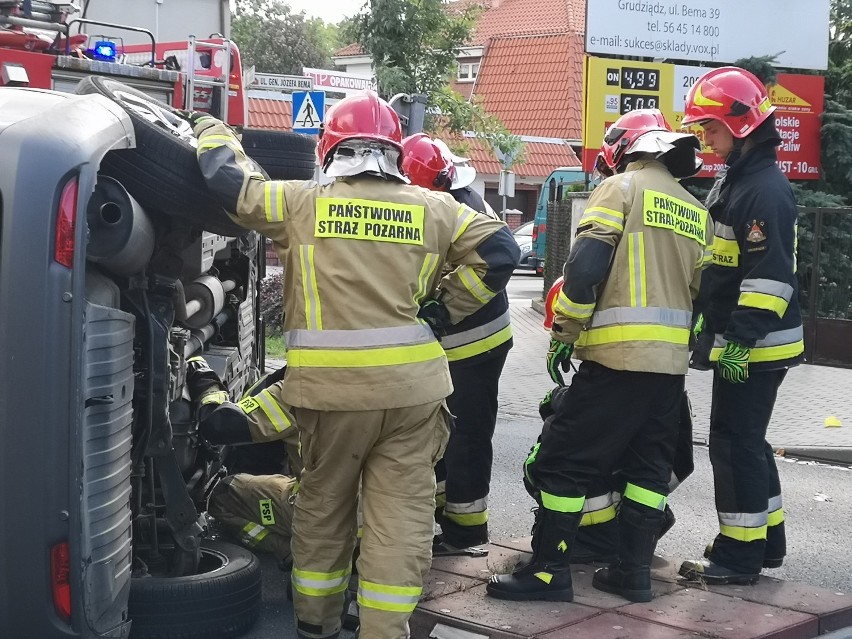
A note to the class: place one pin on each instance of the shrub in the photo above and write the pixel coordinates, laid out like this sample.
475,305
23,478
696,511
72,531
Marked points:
272,303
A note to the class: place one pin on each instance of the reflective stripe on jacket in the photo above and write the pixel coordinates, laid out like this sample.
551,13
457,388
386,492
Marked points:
360,255
635,314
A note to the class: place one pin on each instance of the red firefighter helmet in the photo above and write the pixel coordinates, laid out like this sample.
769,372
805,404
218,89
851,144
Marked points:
621,137
550,302
731,95
424,163
364,117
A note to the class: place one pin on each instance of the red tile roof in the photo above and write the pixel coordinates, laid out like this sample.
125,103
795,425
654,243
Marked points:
349,49
504,18
540,158
535,84
270,114
529,17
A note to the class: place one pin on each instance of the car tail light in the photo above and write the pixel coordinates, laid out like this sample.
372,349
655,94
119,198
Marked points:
60,568
535,233
66,217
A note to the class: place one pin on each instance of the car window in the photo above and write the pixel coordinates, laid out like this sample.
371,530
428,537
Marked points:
525,229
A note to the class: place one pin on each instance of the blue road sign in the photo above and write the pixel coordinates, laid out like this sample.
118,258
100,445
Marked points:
308,111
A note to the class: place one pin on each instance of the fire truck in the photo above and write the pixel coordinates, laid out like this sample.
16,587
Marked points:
39,49
116,267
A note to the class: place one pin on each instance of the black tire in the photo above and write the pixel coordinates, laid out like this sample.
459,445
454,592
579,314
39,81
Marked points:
220,603
162,171
284,155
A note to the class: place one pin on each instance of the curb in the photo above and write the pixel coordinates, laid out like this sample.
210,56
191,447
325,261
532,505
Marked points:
538,306
828,455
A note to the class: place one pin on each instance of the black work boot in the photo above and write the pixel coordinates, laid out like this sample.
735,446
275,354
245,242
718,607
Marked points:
220,421
201,379
454,535
768,562
547,577
706,571
638,528
597,543
668,521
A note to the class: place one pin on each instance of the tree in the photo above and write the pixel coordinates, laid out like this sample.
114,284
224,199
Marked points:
414,44
276,40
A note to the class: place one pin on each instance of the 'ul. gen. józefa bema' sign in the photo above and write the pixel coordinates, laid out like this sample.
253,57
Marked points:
711,31
348,83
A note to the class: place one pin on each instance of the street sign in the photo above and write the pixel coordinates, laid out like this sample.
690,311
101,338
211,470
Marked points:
614,87
308,111
277,82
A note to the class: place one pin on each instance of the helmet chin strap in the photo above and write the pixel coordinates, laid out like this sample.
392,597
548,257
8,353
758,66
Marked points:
356,158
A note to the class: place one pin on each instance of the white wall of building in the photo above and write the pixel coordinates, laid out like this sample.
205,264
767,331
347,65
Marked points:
360,69
168,20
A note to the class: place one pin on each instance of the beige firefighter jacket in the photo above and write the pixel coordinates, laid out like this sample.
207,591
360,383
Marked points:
635,315
360,255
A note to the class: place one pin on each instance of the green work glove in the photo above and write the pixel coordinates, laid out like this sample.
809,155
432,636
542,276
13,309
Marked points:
699,326
733,363
558,356
544,408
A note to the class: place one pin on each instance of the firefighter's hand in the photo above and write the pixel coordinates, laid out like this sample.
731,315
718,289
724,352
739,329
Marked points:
699,326
436,315
193,117
558,357
733,363
545,408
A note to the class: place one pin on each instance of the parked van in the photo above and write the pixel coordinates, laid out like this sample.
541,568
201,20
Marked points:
554,186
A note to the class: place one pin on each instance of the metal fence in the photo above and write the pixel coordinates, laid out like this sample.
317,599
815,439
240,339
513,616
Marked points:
825,284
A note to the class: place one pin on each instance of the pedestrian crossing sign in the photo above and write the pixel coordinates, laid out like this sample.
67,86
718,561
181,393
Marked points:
308,111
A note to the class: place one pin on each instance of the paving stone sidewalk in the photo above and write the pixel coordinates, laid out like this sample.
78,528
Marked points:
809,395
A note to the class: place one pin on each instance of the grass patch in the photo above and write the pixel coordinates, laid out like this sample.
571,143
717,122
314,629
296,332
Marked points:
275,346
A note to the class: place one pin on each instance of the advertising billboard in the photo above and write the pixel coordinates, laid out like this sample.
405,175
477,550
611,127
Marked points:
613,87
711,30
339,82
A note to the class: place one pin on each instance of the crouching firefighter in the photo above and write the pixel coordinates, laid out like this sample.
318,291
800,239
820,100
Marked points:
633,271
366,377
597,537
476,349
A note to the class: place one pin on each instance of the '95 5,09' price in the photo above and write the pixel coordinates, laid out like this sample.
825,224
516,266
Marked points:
632,101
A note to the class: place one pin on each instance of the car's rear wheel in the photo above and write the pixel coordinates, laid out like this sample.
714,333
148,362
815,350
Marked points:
284,155
220,602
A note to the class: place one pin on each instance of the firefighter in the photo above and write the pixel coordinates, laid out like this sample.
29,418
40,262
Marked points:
752,325
597,537
476,349
633,271
366,377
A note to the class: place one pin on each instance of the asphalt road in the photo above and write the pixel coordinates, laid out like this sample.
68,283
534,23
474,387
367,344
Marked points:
817,504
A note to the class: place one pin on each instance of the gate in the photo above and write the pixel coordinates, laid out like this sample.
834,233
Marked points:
825,284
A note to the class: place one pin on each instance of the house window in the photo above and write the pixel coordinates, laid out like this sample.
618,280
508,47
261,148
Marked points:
468,71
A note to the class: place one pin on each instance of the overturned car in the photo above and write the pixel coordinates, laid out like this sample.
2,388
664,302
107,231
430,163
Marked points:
116,266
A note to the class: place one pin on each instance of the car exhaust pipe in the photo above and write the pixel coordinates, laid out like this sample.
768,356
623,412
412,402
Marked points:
121,235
